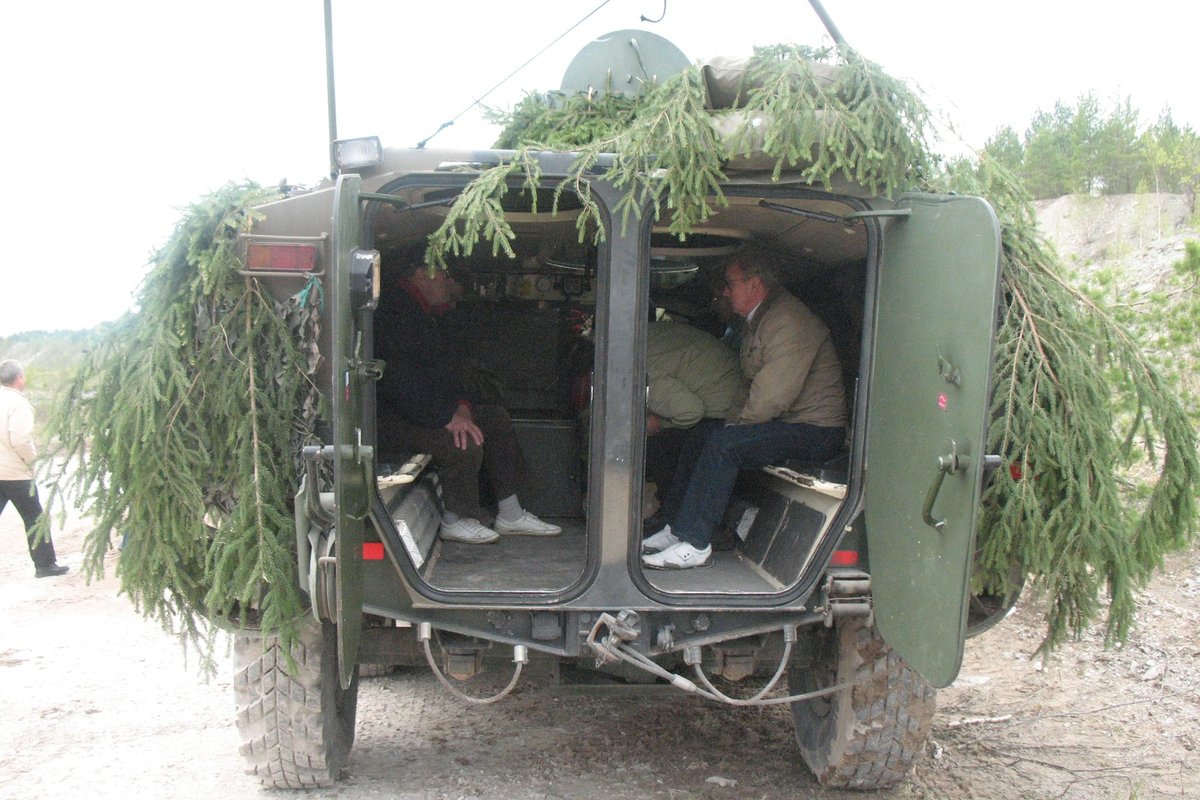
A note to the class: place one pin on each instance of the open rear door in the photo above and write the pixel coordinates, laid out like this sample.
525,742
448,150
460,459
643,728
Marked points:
352,462
928,415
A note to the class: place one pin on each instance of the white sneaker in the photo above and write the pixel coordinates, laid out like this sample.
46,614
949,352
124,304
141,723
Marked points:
659,541
468,531
680,555
527,525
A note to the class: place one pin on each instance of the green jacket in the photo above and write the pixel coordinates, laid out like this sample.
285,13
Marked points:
691,374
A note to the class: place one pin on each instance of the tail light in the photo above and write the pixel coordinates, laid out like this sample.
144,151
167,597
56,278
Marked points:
280,257
844,558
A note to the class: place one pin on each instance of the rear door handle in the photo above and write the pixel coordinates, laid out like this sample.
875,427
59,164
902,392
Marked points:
947,464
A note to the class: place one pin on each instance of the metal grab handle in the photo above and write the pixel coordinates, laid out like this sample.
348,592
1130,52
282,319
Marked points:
947,465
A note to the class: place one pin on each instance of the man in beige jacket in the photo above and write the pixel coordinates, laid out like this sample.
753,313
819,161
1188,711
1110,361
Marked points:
17,453
792,407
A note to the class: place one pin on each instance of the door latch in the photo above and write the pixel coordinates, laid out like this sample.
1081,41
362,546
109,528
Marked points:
947,465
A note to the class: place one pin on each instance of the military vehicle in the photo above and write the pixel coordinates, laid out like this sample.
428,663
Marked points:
849,577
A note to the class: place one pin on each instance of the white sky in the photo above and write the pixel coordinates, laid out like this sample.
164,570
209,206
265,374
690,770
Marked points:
122,112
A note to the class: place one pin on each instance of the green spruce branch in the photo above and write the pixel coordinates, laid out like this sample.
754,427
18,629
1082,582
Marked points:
1074,393
1066,372
179,433
670,150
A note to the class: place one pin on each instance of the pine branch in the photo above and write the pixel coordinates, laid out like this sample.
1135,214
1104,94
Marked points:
1067,518
160,410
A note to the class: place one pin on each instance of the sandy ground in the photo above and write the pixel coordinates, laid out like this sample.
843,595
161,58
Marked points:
100,703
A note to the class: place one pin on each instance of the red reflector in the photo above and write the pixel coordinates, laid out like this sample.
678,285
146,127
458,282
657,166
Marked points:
1014,469
372,551
844,558
281,257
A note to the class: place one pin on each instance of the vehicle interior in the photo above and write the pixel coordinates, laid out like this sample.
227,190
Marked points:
525,328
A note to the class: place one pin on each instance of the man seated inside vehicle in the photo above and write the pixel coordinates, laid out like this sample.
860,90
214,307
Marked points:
792,406
691,376
424,408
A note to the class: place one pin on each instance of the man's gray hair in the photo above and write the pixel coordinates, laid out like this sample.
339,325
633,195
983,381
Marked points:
10,370
757,261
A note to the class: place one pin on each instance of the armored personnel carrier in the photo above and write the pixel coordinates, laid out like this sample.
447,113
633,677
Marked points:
850,577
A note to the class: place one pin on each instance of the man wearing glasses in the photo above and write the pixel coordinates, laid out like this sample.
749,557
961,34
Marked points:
792,407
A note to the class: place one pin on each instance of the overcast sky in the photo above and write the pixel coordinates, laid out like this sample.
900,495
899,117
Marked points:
120,113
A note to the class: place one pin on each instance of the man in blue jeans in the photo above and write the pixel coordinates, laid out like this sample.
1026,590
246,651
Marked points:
793,406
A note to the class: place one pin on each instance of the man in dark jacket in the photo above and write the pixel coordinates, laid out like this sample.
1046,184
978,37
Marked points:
424,408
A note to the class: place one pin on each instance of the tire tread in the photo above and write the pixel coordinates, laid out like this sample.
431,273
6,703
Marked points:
289,740
892,709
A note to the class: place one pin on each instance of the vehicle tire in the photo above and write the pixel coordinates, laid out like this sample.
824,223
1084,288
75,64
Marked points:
375,670
985,610
867,736
296,724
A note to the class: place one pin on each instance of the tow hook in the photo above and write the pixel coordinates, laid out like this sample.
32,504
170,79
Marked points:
847,594
626,626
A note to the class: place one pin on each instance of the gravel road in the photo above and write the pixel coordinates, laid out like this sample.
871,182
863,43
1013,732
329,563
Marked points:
100,703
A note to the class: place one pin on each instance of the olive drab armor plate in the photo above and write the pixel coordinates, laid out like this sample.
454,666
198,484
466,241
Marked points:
352,465
927,423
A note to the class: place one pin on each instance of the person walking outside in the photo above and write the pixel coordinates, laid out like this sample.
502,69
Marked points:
17,454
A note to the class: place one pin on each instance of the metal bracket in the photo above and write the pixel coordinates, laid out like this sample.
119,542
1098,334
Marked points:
847,594
948,371
947,465
368,370
326,600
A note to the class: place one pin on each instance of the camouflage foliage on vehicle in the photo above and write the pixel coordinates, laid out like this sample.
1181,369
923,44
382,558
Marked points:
184,424
179,433
1078,407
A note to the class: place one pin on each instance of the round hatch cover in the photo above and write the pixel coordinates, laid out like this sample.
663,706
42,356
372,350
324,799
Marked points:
623,62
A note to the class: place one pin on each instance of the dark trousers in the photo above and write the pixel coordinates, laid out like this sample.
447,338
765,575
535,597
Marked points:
23,495
499,461
662,454
714,454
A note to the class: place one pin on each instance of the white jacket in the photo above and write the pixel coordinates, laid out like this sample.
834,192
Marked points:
17,451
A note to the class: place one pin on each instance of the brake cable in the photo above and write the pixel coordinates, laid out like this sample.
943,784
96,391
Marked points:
520,658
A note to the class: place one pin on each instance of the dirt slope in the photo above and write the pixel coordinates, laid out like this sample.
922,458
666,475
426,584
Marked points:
1138,235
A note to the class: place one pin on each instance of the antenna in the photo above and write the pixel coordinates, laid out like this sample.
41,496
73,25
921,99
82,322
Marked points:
828,22
330,100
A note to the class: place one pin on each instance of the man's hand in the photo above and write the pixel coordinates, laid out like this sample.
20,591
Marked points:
653,423
461,425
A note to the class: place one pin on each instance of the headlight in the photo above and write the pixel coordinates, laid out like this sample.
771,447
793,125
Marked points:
357,153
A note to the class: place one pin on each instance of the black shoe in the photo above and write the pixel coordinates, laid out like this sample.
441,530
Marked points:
654,523
52,571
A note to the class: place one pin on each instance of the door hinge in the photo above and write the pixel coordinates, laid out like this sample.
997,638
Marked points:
368,370
847,594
